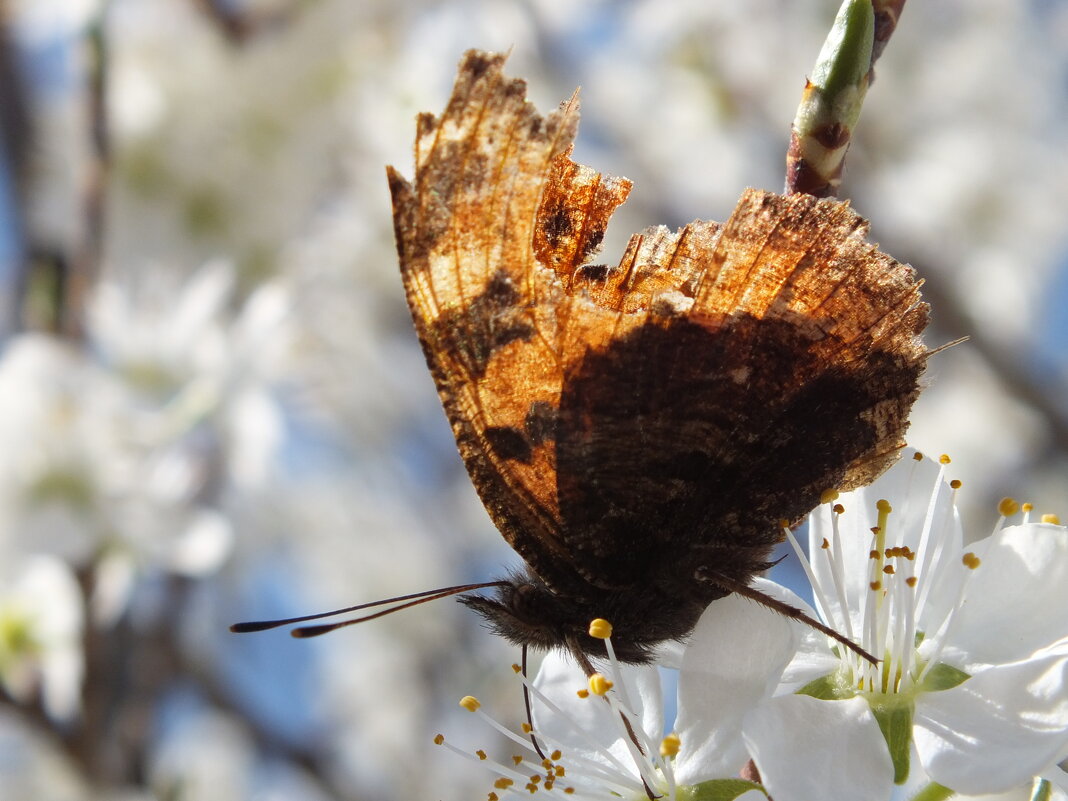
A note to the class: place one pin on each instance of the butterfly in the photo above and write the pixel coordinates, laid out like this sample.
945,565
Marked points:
639,433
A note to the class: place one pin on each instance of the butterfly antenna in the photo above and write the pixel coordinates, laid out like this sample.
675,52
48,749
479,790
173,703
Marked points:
415,598
526,702
740,588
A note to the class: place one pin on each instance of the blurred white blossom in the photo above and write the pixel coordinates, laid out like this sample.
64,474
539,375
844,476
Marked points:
41,621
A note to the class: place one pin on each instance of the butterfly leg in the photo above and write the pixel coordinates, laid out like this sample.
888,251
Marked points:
741,588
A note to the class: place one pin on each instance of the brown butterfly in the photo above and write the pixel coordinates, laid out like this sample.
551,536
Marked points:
639,432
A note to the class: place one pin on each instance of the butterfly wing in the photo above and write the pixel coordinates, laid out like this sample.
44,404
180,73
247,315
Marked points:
491,318
789,370
613,417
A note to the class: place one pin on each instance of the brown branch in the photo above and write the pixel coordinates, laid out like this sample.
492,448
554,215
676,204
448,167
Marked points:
238,25
887,14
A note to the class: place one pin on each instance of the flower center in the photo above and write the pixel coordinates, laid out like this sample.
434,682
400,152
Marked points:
899,582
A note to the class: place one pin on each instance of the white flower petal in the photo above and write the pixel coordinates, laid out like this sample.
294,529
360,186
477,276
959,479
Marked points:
811,750
999,728
908,486
46,596
62,672
669,654
813,658
202,299
735,658
559,678
114,577
203,545
1023,575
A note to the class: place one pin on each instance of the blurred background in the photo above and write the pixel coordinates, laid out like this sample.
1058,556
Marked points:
213,406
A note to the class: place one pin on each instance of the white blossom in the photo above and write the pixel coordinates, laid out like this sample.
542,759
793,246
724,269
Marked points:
973,667
41,621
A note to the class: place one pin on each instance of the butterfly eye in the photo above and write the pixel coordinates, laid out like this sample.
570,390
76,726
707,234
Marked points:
528,601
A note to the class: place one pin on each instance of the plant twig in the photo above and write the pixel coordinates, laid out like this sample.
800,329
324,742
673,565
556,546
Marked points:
834,94
240,25
76,276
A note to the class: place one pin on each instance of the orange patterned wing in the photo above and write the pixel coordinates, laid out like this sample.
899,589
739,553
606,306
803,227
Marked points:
678,405
490,316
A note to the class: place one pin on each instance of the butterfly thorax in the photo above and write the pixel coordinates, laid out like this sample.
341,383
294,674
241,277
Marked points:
529,613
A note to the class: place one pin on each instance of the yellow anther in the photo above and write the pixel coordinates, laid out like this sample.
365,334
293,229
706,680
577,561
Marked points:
839,509
971,561
1007,507
516,759
955,484
559,771
825,544
569,790
493,797
481,754
536,778
503,783
600,629
917,457
599,684
470,703
888,569
784,523
873,554
516,668
531,788
527,728
669,746
1051,519
439,739
828,496
582,693
883,505
944,459
1028,507
911,581
876,586
554,756
547,764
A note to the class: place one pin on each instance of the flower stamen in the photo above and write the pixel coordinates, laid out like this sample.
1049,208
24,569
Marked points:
932,538
480,756
822,606
972,562
838,570
643,751
576,727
